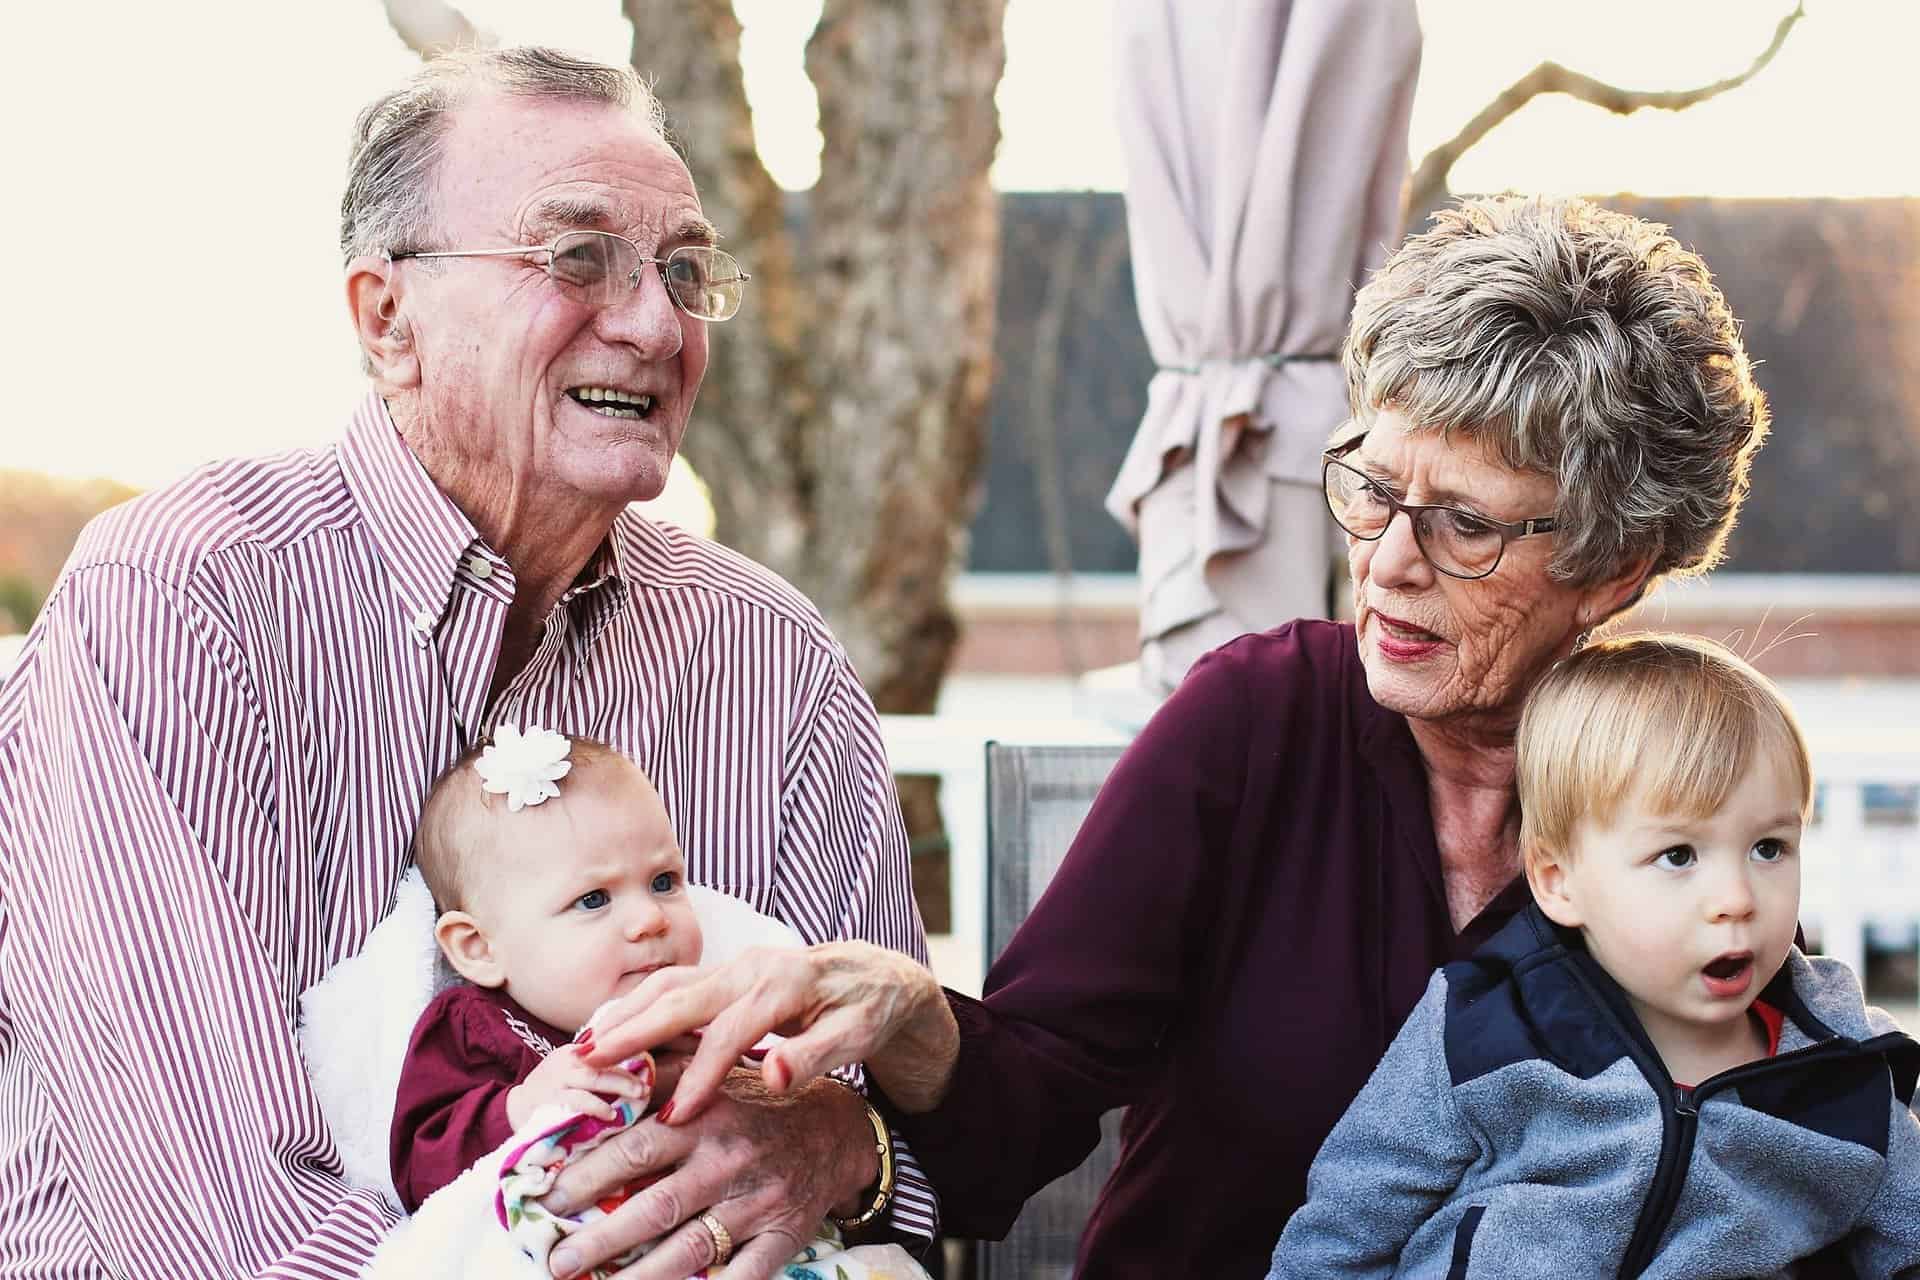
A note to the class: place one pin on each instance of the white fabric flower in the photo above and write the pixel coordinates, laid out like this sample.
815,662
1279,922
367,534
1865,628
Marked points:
524,767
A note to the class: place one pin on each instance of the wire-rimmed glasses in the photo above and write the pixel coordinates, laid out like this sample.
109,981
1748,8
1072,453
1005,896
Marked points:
601,269
1457,542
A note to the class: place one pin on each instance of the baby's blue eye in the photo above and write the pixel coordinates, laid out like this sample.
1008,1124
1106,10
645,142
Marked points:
1678,858
593,900
666,882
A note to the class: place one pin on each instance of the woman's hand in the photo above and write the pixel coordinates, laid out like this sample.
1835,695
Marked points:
837,1003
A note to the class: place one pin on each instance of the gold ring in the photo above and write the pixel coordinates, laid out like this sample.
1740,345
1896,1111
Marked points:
722,1242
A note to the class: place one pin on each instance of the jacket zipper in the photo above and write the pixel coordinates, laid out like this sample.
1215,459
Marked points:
1671,1167
1680,1120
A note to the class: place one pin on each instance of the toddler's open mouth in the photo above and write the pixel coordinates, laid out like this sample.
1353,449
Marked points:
1730,974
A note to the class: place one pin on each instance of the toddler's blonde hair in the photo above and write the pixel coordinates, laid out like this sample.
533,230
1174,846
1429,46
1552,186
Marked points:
1674,720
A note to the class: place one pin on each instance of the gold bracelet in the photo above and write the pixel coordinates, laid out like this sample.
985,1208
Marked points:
883,1190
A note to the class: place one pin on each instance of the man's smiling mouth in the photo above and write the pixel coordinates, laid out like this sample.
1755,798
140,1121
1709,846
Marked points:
609,403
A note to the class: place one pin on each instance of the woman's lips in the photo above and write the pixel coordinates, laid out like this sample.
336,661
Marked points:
1403,641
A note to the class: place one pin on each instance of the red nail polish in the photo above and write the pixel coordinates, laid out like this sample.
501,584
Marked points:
666,1112
584,1036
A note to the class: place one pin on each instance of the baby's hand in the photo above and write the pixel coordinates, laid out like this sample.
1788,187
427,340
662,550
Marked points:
564,1079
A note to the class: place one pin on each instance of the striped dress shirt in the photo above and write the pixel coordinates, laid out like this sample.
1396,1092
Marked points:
213,752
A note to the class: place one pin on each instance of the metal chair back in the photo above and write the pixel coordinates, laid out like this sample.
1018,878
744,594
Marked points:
1037,797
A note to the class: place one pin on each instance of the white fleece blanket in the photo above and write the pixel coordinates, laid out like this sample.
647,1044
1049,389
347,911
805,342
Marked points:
354,1027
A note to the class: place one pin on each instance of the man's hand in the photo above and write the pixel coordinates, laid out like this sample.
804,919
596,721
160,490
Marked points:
767,1167
565,1078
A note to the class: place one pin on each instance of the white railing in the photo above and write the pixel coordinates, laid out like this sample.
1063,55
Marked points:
1856,871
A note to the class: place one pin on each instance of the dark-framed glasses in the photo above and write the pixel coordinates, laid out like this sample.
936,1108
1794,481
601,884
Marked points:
601,269
1457,542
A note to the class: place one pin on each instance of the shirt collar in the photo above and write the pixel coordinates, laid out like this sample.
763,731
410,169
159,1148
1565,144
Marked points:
420,534
600,591
602,569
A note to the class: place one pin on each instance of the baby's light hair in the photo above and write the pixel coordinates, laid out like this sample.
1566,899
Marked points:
1672,719
455,821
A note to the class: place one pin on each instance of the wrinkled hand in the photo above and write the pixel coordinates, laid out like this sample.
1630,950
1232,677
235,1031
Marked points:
768,1168
564,1077
837,1002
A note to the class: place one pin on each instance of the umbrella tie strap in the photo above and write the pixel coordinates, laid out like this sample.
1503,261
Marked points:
1275,359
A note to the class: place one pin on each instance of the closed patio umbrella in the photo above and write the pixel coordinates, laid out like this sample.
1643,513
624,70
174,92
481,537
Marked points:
1266,150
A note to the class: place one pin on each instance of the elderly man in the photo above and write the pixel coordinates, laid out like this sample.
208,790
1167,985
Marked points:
220,734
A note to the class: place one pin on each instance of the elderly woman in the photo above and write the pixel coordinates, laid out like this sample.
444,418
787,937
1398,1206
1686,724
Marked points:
1555,398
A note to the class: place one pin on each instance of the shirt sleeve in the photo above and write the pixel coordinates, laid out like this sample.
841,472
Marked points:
143,953
451,1110
845,873
1071,1025
1394,1159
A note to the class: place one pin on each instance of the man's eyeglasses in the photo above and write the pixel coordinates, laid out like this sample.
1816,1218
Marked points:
1457,542
601,269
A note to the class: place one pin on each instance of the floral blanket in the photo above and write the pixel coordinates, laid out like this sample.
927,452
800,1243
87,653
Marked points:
529,1166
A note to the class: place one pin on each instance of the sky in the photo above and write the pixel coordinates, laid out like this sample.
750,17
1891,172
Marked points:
176,170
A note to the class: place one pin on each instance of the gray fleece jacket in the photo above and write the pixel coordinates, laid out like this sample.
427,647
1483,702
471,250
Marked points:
1522,1125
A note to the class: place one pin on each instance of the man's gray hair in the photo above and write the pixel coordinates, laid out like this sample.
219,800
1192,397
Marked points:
1582,344
388,205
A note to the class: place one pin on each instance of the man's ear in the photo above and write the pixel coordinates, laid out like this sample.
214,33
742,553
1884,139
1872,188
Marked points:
468,950
373,298
1547,878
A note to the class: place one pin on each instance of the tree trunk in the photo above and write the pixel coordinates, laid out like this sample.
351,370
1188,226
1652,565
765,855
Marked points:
757,390
842,423
842,426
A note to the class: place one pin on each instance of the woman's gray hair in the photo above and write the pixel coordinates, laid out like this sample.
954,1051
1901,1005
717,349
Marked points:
1582,344
388,205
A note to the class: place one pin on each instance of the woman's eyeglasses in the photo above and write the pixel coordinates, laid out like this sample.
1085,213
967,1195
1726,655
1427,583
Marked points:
1455,541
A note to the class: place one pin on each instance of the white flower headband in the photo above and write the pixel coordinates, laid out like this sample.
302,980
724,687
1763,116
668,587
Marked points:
524,767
